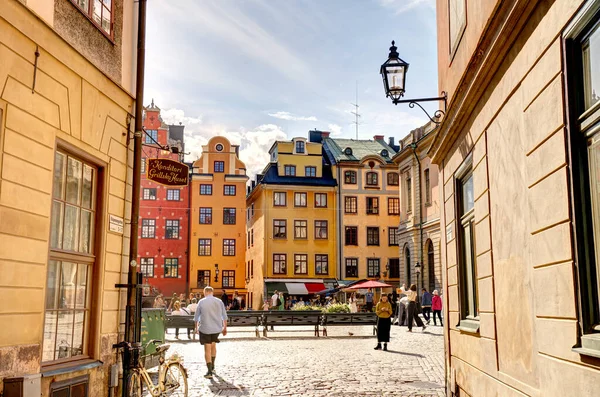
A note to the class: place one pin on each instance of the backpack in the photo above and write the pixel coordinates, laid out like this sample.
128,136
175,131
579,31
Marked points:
278,302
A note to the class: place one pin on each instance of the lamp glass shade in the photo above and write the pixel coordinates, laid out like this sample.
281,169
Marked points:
394,76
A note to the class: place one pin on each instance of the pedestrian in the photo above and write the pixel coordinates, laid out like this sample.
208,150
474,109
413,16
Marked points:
426,305
192,306
384,312
182,299
265,305
294,301
411,294
352,302
224,299
369,300
177,311
301,302
274,299
211,320
235,303
281,302
436,306
159,302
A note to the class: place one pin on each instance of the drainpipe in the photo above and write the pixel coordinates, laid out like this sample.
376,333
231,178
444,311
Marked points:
340,223
413,146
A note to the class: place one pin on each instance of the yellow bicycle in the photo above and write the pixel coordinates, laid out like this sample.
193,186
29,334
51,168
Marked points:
172,376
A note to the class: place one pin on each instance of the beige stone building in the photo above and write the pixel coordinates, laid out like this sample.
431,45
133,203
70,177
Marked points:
66,106
419,228
519,153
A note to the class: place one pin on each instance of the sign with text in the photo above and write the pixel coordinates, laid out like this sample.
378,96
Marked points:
115,224
168,172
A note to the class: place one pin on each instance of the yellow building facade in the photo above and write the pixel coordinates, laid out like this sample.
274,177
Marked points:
291,218
217,219
66,111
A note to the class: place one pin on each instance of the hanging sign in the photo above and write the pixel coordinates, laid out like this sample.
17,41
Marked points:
168,172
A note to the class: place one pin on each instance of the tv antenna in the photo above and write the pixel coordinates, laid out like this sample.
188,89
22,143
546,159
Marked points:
355,112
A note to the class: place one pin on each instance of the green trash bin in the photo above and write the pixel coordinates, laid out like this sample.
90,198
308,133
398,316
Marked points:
153,327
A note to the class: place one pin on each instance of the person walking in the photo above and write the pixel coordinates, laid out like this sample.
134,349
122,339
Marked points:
274,299
411,294
384,322
265,305
352,302
211,320
224,299
436,306
426,305
281,302
369,300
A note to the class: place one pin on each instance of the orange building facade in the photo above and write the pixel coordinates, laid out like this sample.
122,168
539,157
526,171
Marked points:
217,219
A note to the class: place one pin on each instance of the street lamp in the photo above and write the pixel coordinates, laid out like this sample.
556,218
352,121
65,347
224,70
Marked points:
216,273
393,71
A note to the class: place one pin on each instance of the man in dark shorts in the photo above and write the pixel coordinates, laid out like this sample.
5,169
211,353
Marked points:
211,320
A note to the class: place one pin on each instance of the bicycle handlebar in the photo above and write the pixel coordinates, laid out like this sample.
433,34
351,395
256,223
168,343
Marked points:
125,344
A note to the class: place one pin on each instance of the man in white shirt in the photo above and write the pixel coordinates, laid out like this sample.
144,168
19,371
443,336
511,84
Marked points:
192,306
211,320
274,300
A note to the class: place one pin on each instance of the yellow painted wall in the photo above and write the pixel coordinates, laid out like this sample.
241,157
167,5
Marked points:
235,174
255,254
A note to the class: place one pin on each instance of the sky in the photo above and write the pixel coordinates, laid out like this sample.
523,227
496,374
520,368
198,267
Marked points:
257,71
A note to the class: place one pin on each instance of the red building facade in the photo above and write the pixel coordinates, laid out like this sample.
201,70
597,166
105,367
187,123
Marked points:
164,215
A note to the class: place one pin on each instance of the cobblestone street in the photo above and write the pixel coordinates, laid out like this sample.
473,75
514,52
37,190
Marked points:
292,362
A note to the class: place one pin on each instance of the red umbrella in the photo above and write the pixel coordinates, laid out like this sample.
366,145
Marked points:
369,284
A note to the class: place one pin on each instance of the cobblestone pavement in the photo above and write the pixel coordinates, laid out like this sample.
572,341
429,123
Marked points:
292,362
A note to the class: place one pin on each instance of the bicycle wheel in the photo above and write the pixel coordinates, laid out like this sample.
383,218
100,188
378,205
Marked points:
176,381
134,385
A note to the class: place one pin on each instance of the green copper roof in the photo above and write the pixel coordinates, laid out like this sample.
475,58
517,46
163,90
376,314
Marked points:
360,148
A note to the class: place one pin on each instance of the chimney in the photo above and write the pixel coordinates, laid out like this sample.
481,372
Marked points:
378,137
249,189
253,184
325,134
315,136
391,142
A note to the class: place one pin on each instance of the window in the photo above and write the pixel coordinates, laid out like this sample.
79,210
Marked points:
457,22
372,179
203,278
372,236
321,264
229,216
228,278
351,267
172,229
395,268
310,171
279,263
279,199
147,267
219,147
289,170
204,247
408,194
351,235
372,205
171,267
466,240
407,264
252,237
252,209
219,166
582,47
206,190
393,238
228,247
320,230
393,178
69,278
100,11
143,169
252,268
427,188
149,194
373,267
393,206
248,240
279,228
320,200
300,263
350,204
229,190
430,265
148,228
73,387
350,177
205,216
300,146
151,136
299,199
300,229
173,194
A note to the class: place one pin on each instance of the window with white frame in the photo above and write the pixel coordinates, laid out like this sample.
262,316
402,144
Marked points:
147,267
172,229
149,194
171,267
172,194
300,199
148,228
300,264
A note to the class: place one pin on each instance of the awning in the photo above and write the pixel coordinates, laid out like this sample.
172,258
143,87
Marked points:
292,287
313,288
296,288
275,286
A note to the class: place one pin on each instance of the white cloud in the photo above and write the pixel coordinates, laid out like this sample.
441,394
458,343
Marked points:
401,6
335,129
254,143
292,117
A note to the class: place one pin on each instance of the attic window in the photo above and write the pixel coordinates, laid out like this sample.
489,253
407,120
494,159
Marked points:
384,153
219,147
348,151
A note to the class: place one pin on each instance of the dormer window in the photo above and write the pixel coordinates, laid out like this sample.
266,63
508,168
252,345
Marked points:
372,179
384,153
300,146
348,151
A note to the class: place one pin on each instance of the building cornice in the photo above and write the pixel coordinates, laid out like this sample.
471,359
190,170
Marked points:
502,30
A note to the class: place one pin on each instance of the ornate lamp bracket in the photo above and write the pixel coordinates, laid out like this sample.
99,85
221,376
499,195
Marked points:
437,115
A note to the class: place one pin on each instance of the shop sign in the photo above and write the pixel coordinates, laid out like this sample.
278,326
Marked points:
168,172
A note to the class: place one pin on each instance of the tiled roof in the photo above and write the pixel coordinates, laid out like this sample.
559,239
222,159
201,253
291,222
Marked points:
272,177
334,149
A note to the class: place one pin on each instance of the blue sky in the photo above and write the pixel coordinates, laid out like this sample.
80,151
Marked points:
260,70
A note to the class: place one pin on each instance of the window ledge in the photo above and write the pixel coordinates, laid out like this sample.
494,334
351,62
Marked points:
590,345
468,326
73,366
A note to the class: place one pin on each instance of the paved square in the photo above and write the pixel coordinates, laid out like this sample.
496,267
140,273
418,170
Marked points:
292,362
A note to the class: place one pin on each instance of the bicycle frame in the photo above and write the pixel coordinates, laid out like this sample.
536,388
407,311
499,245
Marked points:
159,388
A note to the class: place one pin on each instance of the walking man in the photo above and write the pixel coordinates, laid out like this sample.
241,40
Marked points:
426,305
211,320
369,300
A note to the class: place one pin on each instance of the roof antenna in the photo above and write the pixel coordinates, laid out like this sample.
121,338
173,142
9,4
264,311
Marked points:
355,113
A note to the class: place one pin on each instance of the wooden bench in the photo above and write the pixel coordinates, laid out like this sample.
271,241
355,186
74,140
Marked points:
291,317
335,319
245,319
178,321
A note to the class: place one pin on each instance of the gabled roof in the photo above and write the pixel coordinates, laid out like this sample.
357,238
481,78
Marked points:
272,177
335,149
